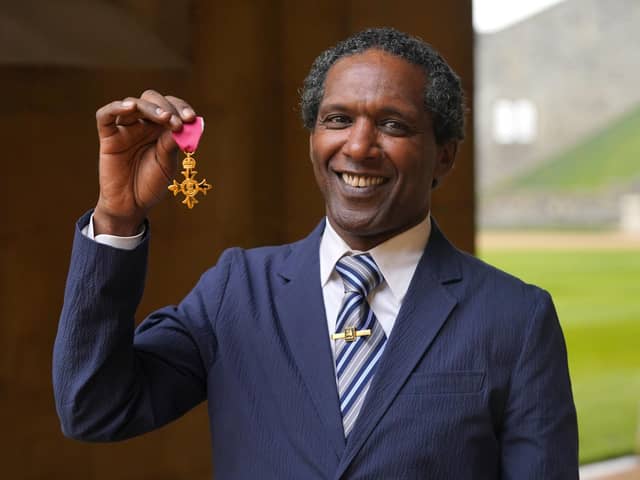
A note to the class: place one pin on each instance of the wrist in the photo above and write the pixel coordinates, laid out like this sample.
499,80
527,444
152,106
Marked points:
120,226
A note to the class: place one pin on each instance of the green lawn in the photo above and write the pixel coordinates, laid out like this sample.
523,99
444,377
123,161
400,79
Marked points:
608,157
597,294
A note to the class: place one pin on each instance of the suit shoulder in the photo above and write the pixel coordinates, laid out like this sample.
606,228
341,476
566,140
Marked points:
489,278
257,259
262,256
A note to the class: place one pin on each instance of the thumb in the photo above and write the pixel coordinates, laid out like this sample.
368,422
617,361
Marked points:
167,150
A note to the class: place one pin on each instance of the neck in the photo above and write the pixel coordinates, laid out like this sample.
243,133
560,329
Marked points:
364,243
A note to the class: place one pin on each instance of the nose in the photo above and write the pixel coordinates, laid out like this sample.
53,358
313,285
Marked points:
362,141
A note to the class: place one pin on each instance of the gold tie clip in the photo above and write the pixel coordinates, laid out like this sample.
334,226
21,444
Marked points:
350,334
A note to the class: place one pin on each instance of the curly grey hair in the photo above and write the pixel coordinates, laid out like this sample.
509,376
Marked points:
443,96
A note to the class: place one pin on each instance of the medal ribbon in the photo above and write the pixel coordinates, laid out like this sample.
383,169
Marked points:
189,137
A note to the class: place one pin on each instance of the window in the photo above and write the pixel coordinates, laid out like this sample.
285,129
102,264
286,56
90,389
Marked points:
514,121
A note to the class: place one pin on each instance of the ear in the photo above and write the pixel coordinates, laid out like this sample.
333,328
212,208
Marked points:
445,160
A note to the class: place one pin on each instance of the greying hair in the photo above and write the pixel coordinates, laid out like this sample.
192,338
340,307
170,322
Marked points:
443,95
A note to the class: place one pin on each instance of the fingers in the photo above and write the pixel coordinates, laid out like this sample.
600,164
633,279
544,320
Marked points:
187,114
151,107
180,110
128,112
107,116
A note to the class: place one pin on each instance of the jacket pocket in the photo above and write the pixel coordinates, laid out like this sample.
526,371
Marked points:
443,383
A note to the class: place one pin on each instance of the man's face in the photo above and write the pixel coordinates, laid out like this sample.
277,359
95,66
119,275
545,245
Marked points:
373,149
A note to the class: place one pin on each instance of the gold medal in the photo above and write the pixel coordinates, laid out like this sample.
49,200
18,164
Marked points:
188,139
189,187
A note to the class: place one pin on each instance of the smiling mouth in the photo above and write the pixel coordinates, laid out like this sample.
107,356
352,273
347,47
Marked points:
361,181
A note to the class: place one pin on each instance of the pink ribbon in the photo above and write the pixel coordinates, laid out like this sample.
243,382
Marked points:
189,137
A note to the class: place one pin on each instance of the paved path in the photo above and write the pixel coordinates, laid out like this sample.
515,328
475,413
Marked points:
625,468
557,240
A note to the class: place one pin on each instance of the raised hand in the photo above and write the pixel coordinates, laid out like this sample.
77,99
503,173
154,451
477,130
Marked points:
137,158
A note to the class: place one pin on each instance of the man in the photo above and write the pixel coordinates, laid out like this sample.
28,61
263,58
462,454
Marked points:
371,349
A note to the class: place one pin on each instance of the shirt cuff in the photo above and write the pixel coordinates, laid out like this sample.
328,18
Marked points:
123,243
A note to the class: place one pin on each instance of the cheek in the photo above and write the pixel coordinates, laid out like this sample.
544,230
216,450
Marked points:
325,144
415,173
319,168
316,153
412,162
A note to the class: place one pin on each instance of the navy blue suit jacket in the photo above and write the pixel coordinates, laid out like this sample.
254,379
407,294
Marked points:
473,383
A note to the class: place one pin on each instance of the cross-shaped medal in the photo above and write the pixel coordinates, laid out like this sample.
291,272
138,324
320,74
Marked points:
189,187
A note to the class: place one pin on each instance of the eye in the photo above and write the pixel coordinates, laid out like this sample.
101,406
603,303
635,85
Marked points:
394,127
336,121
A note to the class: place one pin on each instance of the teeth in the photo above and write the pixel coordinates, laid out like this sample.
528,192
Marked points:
361,181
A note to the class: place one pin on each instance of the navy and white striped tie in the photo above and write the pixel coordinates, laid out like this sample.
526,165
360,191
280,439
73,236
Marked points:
356,361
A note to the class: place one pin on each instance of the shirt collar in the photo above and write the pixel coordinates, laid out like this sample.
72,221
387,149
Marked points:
397,257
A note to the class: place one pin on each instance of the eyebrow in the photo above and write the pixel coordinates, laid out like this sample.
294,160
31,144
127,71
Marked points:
332,106
394,111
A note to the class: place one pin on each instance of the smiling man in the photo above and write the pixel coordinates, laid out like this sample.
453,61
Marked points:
373,147
371,349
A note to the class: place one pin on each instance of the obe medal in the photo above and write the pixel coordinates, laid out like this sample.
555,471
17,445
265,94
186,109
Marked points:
187,139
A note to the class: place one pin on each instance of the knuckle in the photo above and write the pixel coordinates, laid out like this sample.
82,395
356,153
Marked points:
149,92
175,100
105,109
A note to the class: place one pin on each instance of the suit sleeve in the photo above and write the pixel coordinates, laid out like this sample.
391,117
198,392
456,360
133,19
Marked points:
111,381
540,435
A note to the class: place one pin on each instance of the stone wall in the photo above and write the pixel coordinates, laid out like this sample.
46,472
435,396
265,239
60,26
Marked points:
578,62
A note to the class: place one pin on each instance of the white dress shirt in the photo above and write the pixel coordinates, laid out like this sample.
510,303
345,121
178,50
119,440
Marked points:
397,259
123,243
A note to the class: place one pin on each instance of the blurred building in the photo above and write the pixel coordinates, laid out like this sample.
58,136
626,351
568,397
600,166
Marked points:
544,85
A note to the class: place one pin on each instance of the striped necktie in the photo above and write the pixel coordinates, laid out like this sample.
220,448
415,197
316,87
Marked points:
356,360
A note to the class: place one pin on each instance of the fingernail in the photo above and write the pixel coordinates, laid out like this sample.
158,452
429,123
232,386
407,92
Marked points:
127,103
159,111
187,112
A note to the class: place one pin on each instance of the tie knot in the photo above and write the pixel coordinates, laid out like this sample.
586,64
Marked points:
359,273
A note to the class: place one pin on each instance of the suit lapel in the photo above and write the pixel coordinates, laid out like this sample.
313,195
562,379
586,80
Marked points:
301,311
425,309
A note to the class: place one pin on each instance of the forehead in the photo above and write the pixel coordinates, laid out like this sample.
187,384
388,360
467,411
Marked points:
376,76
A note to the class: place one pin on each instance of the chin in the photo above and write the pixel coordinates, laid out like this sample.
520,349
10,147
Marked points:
356,224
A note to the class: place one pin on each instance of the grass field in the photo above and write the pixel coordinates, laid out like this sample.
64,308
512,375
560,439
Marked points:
597,294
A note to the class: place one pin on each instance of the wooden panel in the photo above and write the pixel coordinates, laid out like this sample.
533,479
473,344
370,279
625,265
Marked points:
248,60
